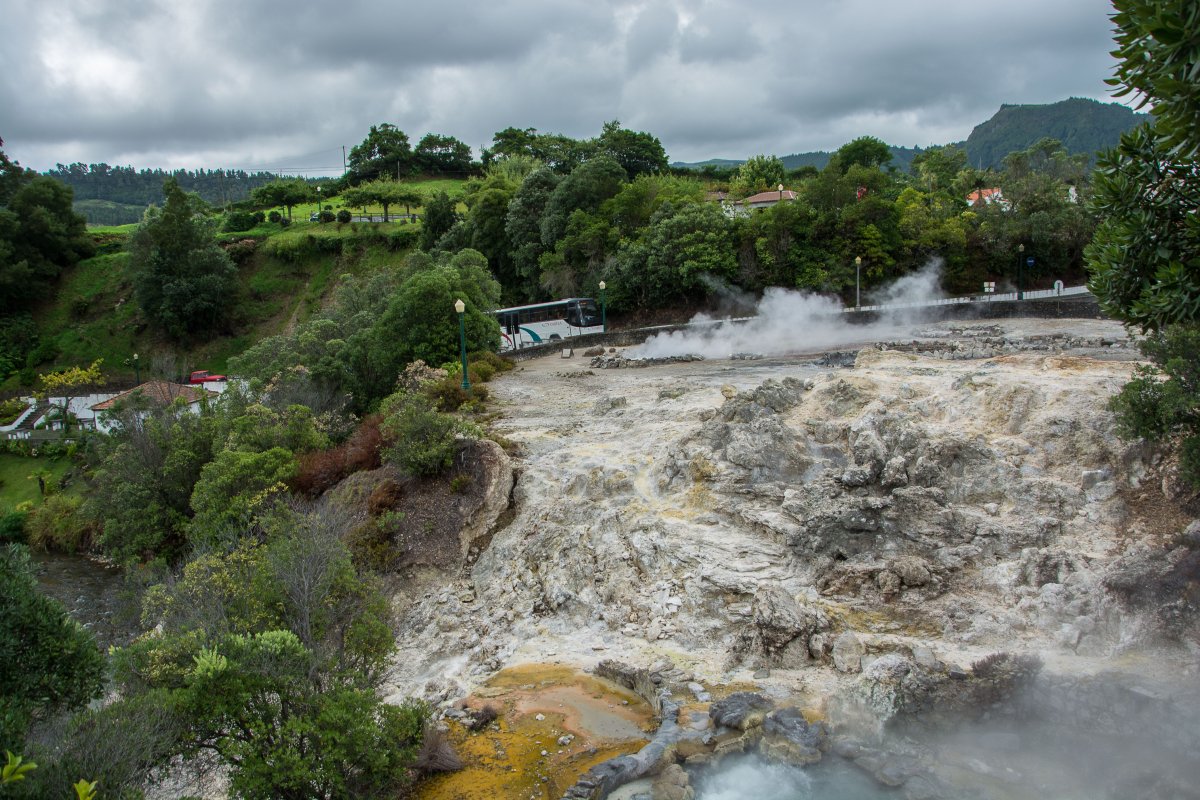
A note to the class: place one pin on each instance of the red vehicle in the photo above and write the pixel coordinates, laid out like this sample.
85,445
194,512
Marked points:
202,376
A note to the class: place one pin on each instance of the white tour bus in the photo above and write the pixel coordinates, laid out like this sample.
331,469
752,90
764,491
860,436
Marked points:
523,326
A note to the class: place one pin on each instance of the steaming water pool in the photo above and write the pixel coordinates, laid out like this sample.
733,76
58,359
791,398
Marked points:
754,779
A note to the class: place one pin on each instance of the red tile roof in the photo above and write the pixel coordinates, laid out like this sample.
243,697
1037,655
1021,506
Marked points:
159,393
772,196
982,194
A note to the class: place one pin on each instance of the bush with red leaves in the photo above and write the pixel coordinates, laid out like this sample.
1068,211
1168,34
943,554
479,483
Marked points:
323,469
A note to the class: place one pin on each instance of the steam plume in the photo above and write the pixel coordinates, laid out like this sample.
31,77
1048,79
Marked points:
786,321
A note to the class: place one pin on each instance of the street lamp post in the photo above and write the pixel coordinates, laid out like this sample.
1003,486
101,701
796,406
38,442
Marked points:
459,308
857,279
603,309
137,373
318,204
1020,268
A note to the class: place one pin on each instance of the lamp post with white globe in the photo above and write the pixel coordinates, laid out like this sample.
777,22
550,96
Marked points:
460,307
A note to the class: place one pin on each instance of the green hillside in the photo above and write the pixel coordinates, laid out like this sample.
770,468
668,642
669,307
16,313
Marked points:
1083,126
284,277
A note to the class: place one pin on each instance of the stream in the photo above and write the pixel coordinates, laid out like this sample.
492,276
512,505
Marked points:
93,593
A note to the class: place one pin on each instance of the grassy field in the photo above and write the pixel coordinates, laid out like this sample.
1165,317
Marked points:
94,314
16,485
286,280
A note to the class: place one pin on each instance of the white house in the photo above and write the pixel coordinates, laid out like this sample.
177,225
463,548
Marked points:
742,208
153,393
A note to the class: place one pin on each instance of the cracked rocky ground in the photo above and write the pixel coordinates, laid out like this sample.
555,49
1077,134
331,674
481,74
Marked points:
941,497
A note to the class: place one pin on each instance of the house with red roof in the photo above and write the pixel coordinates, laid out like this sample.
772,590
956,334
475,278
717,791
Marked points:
148,396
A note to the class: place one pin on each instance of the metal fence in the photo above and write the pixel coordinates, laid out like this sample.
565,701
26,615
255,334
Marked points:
1039,294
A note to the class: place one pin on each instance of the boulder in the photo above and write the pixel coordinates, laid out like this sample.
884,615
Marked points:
791,739
741,710
848,651
672,784
779,619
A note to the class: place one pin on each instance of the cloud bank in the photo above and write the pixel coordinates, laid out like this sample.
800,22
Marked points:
253,85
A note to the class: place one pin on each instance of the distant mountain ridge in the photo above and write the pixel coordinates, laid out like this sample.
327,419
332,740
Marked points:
1082,125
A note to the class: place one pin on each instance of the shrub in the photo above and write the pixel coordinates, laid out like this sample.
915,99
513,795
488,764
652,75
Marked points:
12,527
259,218
417,375
1159,402
482,718
320,470
237,221
448,394
327,216
284,222
493,360
344,216
79,306
241,250
385,497
422,441
460,483
274,216
480,372
60,525
11,409
371,544
436,754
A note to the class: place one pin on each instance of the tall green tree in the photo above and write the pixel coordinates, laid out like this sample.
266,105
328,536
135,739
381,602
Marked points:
937,167
758,174
1158,47
441,213
286,194
383,192
436,154
1145,257
561,153
588,185
523,229
420,321
637,152
40,235
865,151
48,662
183,280
680,250
385,151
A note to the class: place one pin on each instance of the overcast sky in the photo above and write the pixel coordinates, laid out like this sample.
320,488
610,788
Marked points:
283,86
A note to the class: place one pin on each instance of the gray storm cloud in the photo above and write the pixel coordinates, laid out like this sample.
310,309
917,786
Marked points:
222,83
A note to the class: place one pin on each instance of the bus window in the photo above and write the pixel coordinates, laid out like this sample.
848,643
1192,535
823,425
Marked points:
588,314
573,316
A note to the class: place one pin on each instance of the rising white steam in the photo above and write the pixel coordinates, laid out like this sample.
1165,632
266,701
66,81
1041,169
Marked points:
755,779
785,321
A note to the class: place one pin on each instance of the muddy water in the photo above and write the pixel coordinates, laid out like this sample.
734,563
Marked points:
93,593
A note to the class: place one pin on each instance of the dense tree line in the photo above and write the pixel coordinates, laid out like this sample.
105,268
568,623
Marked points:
143,187
554,217
270,632
40,236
